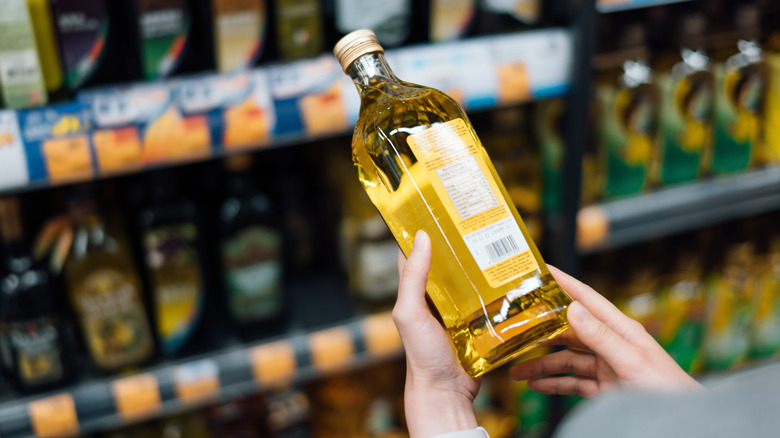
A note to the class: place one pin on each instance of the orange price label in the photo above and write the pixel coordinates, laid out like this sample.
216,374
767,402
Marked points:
592,227
117,149
196,381
331,348
137,396
68,159
54,416
381,336
324,113
513,83
273,363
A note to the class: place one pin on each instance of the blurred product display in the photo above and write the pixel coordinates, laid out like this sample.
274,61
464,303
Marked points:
185,251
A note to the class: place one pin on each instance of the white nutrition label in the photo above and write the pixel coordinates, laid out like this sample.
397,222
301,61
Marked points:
467,187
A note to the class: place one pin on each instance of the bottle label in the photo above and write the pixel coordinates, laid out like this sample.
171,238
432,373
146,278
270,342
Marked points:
172,258
82,28
239,27
253,274
729,315
34,348
164,27
20,72
113,319
376,272
627,134
682,326
738,112
450,18
459,174
299,28
765,328
686,127
526,11
772,114
390,20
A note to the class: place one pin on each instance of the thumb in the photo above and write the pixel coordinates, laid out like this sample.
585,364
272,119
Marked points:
410,305
600,339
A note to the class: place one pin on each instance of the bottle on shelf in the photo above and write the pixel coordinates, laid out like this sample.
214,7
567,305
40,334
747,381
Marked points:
46,42
450,19
628,99
741,81
239,32
299,28
21,76
640,299
171,238
771,126
548,116
36,343
687,87
94,44
105,289
391,21
288,412
422,165
765,324
251,250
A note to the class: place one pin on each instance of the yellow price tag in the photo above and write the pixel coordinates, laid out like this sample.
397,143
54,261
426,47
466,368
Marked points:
68,159
54,416
331,348
137,396
117,149
273,363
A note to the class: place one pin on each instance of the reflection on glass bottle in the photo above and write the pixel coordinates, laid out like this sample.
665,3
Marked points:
105,290
251,249
171,244
35,343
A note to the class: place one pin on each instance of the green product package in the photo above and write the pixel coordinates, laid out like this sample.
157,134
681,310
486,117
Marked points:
548,117
729,314
164,31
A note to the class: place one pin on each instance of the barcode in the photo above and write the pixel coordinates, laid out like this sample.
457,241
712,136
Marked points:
501,248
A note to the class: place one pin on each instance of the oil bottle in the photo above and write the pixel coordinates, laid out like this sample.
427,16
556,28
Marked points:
299,28
687,99
450,19
422,165
772,114
21,79
46,42
239,32
105,289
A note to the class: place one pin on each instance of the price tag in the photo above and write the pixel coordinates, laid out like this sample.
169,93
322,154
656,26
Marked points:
13,160
67,159
381,336
592,227
323,112
331,348
54,416
117,149
137,396
513,83
196,381
273,363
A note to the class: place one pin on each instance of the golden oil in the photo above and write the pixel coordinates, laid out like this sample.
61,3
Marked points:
424,168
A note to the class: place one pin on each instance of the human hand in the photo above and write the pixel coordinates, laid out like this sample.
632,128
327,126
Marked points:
439,395
607,349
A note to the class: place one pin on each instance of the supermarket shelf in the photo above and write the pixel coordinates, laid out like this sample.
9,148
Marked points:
605,6
166,389
677,209
125,129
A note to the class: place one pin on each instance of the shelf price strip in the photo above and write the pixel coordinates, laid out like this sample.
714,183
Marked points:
54,416
197,381
273,363
137,396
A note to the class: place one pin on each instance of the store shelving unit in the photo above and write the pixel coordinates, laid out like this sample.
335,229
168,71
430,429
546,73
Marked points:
172,387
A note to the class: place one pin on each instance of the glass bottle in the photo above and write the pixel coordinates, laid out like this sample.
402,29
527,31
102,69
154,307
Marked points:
299,28
251,250
35,341
239,32
105,290
423,166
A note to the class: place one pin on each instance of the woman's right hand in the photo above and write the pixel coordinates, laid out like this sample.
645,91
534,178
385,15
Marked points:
607,349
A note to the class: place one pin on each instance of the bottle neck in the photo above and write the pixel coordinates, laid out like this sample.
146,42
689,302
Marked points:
370,70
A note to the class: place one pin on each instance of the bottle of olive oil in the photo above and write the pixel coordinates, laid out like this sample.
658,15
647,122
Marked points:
391,20
687,87
239,32
46,42
772,112
105,290
423,166
172,251
35,341
251,250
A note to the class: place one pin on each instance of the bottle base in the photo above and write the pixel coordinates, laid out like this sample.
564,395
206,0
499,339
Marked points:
517,324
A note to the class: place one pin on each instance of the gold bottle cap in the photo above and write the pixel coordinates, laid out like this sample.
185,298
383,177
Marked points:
354,45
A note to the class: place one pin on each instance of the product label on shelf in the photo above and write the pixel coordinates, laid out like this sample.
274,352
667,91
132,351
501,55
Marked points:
331,348
239,29
390,20
54,416
177,286
82,29
164,27
380,334
57,142
34,348
196,381
273,363
307,97
20,72
458,173
137,397
236,108
13,160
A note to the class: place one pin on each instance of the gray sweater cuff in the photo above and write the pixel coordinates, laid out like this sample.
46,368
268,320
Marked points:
479,432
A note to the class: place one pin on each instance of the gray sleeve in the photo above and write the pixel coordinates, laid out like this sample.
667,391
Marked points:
479,432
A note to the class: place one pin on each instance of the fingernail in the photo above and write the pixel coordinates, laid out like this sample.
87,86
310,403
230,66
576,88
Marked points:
421,238
577,312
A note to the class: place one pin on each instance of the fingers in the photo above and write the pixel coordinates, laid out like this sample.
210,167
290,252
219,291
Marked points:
562,362
596,304
566,385
601,339
410,305
568,339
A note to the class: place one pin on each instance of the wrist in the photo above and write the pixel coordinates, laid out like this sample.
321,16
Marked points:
431,412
